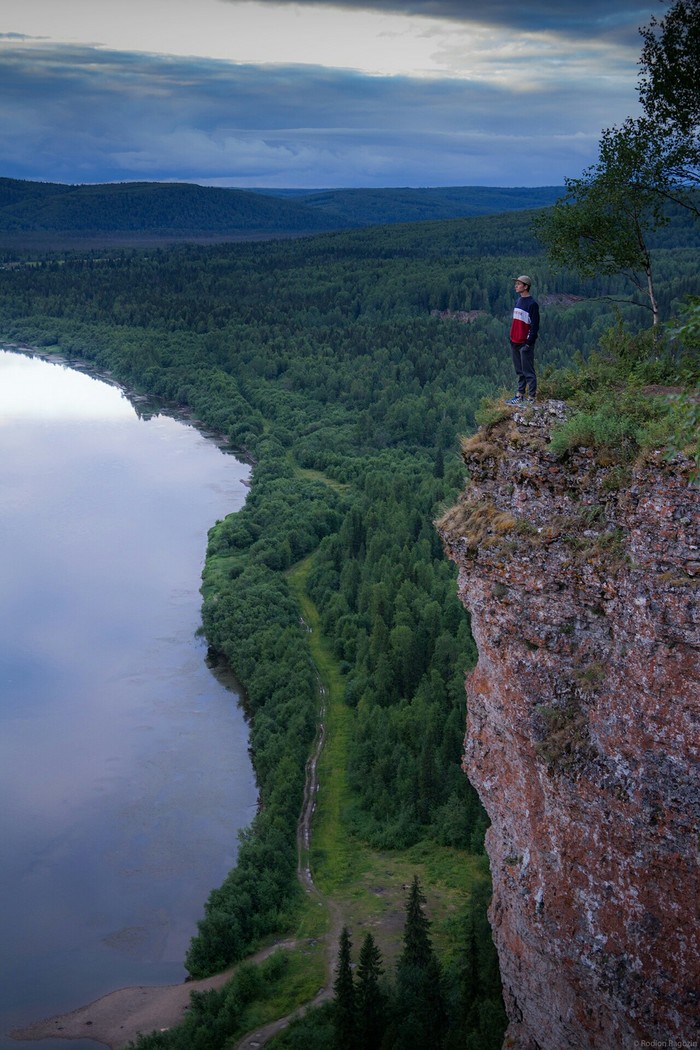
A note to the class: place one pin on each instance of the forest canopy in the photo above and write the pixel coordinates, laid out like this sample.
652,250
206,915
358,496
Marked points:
346,366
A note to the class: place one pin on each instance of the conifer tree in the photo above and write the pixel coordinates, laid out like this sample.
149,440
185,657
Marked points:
439,469
344,997
420,1017
417,946
482,1001
370,998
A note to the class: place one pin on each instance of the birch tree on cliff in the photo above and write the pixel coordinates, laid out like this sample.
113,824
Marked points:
669,88
602,224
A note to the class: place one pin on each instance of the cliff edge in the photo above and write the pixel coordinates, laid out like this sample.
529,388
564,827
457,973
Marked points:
581,577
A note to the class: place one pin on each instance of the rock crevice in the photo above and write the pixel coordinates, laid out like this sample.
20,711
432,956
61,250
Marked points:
581,578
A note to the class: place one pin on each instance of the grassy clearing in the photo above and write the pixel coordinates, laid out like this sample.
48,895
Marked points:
335,858
299,980
317,475
262,992
367,886
376,900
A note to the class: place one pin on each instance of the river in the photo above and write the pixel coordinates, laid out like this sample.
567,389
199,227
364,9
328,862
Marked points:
124,766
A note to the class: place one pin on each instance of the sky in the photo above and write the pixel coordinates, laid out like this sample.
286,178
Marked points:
306,94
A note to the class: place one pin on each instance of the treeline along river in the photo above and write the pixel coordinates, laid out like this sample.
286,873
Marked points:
124,763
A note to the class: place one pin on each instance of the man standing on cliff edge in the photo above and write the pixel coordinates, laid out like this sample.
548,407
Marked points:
523,335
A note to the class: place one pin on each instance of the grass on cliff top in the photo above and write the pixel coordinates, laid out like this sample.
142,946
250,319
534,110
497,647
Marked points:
638,392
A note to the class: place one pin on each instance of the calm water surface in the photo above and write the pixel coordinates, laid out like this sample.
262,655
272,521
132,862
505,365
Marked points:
124,770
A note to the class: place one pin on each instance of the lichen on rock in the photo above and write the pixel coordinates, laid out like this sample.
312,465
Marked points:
581,579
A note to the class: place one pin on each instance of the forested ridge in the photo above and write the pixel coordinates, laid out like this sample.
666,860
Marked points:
154,206
182,210
336,363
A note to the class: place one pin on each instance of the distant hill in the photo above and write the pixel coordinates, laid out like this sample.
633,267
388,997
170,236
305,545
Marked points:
375,207
44,214
157,207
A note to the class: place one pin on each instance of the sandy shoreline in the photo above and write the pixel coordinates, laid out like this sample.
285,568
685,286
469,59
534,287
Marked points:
121,1016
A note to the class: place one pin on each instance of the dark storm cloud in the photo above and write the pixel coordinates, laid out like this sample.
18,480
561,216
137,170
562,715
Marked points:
80,114
615,19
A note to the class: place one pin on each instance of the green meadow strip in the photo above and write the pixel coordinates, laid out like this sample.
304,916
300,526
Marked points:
334,854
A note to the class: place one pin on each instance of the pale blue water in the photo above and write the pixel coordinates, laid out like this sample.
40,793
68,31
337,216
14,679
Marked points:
124,767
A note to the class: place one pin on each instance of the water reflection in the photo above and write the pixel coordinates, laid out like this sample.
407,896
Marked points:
33,388
124,770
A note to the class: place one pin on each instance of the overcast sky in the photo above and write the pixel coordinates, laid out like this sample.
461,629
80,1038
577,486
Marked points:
310,94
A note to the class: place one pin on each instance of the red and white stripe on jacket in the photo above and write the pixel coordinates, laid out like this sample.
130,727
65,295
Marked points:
523,327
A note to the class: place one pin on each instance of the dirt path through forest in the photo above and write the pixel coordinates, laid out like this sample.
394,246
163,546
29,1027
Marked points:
258,1038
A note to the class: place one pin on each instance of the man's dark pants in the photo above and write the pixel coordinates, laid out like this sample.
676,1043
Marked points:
524,365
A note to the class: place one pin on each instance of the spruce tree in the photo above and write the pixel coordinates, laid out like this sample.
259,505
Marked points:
370,998
420,1015
344,997
417,946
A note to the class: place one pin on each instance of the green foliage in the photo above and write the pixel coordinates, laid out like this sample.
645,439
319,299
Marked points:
388,600
606,221
626,398
473,985
427,1005
419,1013
375,207
687,329
686,431
214,1016
417,946
323,361
313,1031
621,436
344,1009
685,408
491,411
172,210
142,207
371,997
668,87
603,223
254,623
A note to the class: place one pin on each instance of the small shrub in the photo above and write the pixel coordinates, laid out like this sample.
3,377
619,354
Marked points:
565,741
592,676
473,522
599,429
492,411
618,478
624,400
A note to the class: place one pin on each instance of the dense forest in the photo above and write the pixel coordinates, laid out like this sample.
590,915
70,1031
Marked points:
59,214
346,366
141,206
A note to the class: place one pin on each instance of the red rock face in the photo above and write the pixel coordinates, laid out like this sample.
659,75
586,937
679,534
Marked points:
581,578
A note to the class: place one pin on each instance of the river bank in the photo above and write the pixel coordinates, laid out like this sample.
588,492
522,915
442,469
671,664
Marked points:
110,852
145,405
123,1015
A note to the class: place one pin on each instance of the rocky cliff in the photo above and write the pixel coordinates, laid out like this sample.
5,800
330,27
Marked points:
581,577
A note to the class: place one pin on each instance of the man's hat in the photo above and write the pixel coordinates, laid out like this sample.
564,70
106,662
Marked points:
524,279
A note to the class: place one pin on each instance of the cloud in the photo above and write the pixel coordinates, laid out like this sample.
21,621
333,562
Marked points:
82,114
618,18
